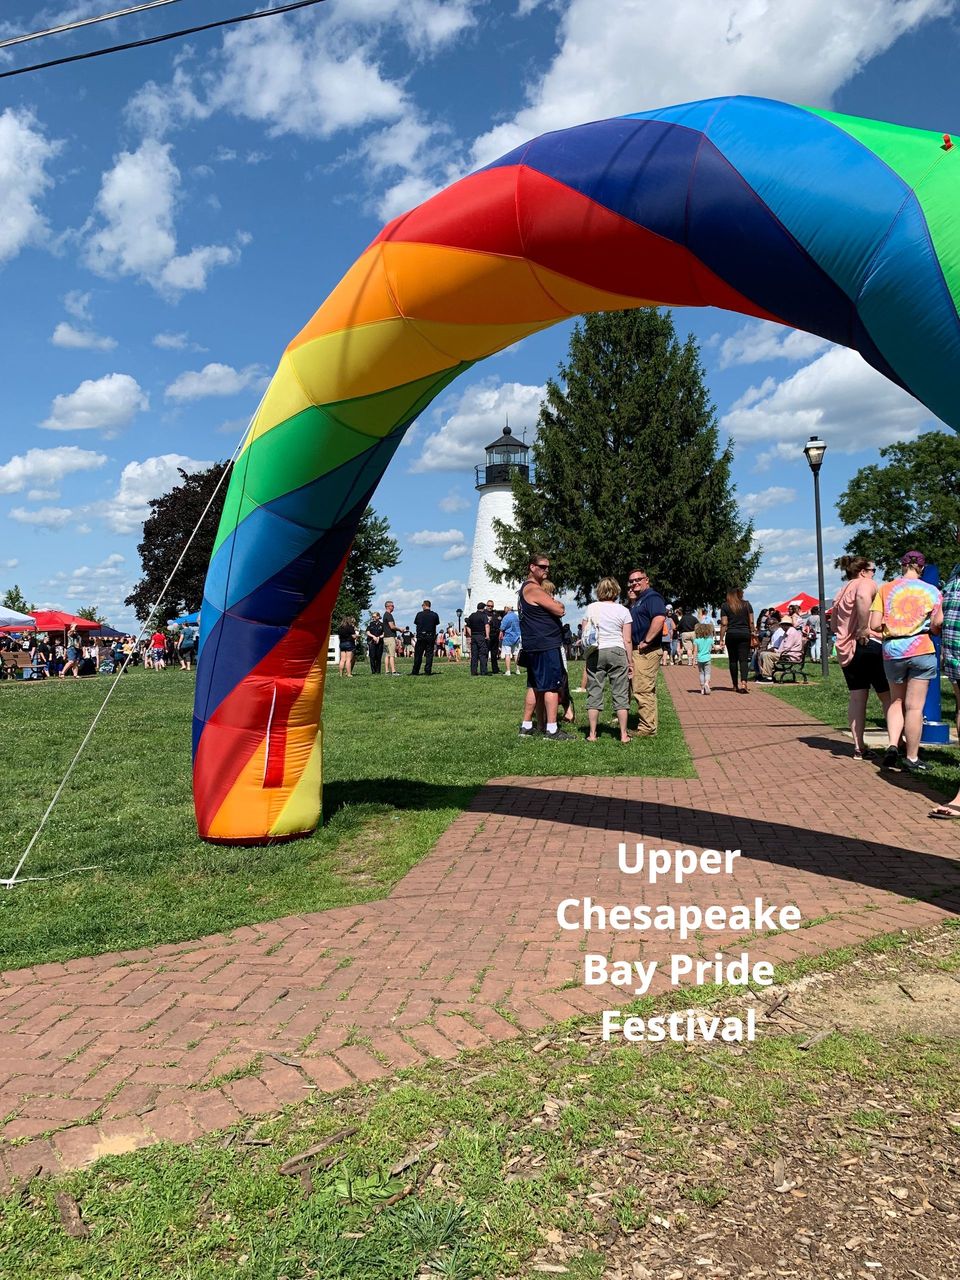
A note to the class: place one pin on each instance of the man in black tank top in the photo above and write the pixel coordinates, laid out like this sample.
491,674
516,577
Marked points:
541,640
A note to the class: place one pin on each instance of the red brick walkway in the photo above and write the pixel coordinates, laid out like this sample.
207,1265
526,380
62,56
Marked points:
105,1054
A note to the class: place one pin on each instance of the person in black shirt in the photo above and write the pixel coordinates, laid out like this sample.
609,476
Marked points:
686,626
426,623
347,635
478,633
737,631
494,617
375,643
391,635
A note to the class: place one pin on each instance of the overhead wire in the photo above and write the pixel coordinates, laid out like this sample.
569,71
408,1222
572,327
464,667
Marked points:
169,35
83,22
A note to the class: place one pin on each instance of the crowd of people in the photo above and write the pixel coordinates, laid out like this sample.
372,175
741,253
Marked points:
73,654
881,634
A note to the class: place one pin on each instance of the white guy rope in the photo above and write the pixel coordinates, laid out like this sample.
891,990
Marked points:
11,881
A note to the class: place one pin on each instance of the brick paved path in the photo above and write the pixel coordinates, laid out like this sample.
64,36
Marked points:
108,1053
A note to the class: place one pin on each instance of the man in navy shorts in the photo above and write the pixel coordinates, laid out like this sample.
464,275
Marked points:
541,641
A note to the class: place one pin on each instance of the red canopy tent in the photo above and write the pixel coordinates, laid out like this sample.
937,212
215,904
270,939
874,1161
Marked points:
55,620
803,602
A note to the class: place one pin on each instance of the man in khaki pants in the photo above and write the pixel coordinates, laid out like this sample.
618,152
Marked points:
649,611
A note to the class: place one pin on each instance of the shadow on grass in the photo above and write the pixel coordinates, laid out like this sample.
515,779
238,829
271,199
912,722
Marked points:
397,793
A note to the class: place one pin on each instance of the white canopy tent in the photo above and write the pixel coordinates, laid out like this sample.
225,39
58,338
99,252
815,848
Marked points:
10,618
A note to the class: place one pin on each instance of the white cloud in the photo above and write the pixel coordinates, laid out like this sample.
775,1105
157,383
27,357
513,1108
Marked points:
454,501
319,77
456,552
141,481
793,540
24,156
775,496
435,537
445,596
46,467
297,81
43,517
479,418
411,145
137,237
67,335
9,564
696,49
105,404
213,380
42,495
760,340
80,336
175,342
838,395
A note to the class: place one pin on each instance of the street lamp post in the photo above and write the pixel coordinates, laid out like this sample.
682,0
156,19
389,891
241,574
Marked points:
814,450
459,630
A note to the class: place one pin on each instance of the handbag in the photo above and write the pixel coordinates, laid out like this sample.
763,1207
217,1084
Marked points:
522,659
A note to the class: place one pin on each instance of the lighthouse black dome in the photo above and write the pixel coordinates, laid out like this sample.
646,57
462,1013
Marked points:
504,457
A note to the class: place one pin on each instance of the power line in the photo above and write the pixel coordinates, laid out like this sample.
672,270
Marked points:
84,22
170,35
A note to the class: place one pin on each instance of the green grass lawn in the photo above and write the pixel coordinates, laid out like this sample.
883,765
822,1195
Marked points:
827,701
401,761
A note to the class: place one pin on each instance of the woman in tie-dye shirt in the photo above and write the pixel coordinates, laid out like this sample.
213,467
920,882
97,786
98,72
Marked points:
907,612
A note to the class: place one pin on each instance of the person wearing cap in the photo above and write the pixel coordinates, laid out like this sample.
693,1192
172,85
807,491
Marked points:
906,612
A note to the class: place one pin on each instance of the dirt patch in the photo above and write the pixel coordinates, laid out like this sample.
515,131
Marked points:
858,1180
920,1004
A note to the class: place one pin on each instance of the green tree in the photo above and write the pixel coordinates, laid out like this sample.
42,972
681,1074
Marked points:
14,598
165,532
628,470
175,513
910,500
91,613
373,551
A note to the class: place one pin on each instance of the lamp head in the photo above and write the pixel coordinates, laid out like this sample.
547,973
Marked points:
814,450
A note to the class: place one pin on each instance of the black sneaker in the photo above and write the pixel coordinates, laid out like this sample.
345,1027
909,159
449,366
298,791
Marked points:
532,732
891,758
916,766
560,736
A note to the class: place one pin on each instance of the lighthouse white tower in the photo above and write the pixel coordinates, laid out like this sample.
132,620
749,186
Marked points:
503,458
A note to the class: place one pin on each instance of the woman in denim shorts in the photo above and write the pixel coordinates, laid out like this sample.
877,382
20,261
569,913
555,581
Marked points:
906,612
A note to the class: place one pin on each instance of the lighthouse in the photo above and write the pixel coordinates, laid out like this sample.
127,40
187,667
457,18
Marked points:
504,458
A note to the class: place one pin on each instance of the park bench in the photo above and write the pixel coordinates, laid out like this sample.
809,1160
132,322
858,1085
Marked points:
785,671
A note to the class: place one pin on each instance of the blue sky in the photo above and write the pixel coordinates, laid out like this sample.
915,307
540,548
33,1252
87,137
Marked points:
170,217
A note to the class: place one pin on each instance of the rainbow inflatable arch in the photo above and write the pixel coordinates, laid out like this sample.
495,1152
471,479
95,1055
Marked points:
844,227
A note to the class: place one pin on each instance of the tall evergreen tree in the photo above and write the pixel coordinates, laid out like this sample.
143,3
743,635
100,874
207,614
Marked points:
910,500
628,470
175,513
